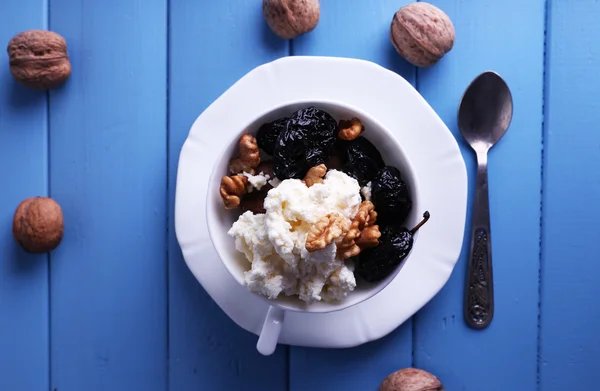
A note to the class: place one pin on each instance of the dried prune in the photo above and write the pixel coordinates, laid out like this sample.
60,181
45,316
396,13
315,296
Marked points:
254,201
390,195
376,263
319,125
267,134
306,141
266,168
315,156
360,158
289,154
334,161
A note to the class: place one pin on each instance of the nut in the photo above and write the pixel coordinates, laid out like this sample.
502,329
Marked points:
38,59
422,33
411,379
315,175
369,237
291,18
349,130
232,188
249,156
38,224
364,218
325,231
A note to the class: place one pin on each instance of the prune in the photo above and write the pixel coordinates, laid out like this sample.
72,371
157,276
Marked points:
306,141
254,201
319,125
390,195
315,156
266,167
360,158
267,134
289,155
376,263
334,161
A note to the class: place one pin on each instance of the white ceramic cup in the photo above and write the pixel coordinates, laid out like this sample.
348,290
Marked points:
220,220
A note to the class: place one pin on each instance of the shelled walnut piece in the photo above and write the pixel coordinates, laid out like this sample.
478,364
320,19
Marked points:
325,231
232,188
350,129
249,156
315,175
363,232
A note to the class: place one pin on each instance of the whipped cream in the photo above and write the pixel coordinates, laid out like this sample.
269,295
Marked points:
275,242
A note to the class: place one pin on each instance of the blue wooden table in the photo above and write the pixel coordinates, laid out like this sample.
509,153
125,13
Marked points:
114,307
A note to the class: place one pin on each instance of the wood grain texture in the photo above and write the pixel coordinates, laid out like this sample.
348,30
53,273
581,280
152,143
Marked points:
212,44
24,364
108,156
570,318
357,29
492,35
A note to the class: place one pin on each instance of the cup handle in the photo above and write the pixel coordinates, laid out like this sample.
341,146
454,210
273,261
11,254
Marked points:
269,335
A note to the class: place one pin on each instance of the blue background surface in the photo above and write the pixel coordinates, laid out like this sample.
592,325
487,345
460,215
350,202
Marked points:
114,307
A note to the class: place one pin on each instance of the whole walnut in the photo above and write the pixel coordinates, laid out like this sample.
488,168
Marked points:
411,379
38,224
291,18
39,59
422,33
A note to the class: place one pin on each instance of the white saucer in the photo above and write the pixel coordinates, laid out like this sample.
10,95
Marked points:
430,146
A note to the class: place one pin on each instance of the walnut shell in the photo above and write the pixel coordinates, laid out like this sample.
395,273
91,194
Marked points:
422,33
411,379
39,59
38,224
291,18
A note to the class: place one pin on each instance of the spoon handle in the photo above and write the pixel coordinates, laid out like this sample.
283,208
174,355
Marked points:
479,293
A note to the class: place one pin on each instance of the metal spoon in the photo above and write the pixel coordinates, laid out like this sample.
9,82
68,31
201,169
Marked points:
483,117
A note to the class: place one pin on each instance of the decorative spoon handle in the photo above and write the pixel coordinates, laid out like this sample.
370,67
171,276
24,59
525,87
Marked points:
479,293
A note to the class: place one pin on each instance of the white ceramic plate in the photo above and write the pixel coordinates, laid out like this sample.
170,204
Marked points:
428,143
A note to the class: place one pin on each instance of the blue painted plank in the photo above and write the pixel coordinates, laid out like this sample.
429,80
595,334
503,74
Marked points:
357,29
212,44
108,151
503,356
24,158
569,343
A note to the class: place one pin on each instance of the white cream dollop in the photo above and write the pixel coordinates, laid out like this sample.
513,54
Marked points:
275,242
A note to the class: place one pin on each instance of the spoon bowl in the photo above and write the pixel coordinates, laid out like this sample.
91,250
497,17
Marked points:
484,115
485,110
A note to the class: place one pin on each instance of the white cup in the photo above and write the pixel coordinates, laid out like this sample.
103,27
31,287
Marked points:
220,220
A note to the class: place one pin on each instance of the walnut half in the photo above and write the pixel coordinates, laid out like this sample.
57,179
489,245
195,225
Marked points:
328,229
232,188
369,237
349,130
315,175
363,232
249,156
